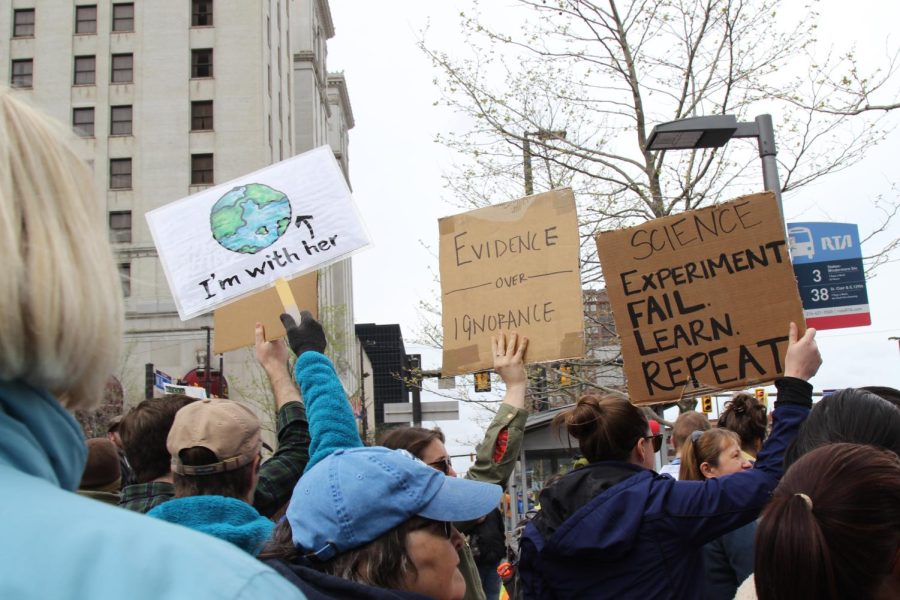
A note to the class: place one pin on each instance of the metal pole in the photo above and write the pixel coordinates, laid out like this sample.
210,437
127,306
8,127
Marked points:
364,412
524,481
767,152
222,390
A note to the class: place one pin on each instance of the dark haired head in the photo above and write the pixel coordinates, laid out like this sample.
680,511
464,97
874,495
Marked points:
606,427
384,562
144,431
745,416
238,483
832,529
890,394
412,439
850,415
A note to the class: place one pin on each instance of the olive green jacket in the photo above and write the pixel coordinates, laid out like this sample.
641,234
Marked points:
485,469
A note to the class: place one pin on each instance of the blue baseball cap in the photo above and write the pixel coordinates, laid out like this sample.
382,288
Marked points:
355,495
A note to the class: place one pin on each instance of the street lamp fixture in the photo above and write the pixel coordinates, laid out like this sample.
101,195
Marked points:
714,132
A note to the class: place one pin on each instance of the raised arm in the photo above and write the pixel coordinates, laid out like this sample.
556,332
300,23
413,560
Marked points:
497,454
279,474
716,506
332,425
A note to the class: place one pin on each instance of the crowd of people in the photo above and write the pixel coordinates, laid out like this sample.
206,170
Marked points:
177,502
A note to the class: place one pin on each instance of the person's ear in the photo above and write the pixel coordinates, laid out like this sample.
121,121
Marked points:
706,470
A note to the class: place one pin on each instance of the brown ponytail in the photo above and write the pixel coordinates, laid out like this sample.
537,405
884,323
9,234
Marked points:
705,449
832,528
606,427
745,416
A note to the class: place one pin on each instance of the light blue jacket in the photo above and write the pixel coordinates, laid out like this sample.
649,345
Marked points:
59,545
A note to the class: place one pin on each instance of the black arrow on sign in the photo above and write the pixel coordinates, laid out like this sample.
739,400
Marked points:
305,220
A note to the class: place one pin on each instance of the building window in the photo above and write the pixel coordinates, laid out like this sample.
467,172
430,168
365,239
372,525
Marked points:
201,169
23,23
83,121
202,115
123,17
125,277
86,19
201,63
120,120
120,173
201,13
85,70
122,68
21,73
120,227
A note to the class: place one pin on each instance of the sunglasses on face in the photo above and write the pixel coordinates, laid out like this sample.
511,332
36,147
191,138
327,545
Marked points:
657,441
440,528
443,465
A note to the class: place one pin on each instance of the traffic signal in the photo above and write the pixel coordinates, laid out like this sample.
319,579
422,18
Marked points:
761,396
706,403
483,381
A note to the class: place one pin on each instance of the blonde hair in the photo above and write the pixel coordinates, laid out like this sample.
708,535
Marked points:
61,313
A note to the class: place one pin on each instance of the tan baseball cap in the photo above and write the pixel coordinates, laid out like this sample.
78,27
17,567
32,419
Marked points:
228,429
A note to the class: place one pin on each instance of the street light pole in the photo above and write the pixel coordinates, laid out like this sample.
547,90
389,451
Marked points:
714,132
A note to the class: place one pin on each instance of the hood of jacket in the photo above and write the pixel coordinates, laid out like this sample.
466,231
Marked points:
38,437
317,585
577,504
226,518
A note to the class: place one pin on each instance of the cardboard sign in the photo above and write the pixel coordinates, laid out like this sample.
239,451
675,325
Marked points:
511,267
289,218
235,323
702,300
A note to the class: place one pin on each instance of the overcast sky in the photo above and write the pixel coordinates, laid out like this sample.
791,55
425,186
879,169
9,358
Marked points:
396,169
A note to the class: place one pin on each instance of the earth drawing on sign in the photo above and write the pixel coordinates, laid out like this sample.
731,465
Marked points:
250,218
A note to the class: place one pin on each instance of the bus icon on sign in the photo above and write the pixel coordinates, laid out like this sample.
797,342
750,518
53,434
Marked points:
801,242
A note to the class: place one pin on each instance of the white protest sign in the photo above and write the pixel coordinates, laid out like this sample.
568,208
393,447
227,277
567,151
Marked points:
287,219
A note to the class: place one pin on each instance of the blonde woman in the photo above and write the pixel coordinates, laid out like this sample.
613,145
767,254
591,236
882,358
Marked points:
61,320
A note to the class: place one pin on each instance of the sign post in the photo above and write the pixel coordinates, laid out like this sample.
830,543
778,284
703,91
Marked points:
828,264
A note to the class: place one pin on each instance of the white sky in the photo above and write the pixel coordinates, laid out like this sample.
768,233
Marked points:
396,173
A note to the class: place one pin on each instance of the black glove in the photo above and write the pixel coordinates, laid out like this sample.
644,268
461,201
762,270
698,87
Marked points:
308,335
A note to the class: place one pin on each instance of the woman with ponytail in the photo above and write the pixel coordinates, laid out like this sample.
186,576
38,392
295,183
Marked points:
728,560
832,530
746,416
617,529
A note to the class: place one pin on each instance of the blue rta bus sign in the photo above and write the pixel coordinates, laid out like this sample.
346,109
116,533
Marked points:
828,264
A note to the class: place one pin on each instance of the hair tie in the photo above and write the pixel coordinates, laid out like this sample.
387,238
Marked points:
806,499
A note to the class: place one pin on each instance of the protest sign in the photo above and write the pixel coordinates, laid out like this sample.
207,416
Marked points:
511,266
234,324
702,300
287,219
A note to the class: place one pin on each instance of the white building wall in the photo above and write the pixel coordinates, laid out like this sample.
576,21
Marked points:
259,118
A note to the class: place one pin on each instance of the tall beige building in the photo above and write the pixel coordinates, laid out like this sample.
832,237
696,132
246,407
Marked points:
170,97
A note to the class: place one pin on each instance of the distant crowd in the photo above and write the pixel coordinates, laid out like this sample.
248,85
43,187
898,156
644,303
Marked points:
801,501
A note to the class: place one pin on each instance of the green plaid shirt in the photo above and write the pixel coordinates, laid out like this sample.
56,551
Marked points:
277,476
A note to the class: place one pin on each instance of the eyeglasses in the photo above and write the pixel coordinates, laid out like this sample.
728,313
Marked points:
443,465
441,528
657,441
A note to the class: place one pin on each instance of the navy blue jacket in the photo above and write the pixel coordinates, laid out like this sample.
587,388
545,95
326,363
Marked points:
618,530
